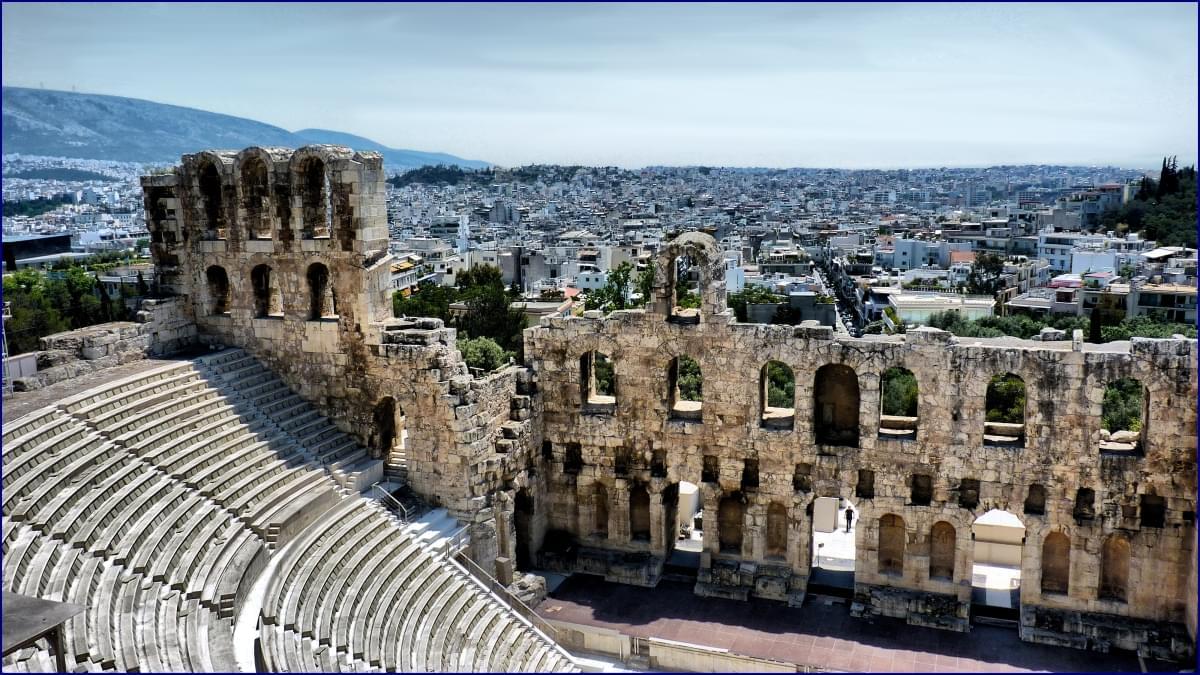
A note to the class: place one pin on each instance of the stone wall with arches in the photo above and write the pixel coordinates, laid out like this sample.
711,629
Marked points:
550,472
944,474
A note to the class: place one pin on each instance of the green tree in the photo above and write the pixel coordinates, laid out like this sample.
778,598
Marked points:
1122,407
751,295
614,295
984,277
689,379
602,370
37,305
899,393
1146,325
1163,210
781,386
489,314
645,285
1005,400
483,353
429,300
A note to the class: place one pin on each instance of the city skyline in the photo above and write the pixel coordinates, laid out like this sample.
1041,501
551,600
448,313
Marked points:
858,86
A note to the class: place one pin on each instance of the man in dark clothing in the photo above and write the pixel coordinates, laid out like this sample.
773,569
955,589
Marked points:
849,518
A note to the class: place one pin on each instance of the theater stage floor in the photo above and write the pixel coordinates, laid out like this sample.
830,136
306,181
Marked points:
821,633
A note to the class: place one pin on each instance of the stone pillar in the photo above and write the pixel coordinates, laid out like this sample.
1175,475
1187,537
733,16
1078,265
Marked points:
799,541
618,512
658,543
710,496
754,529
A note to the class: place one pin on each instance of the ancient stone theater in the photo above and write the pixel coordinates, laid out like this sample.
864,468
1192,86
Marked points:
225,500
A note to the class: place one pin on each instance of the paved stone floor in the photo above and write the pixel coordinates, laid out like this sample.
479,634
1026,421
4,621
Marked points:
818,634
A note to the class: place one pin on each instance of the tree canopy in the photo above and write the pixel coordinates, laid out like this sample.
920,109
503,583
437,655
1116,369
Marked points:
1162,210
489,312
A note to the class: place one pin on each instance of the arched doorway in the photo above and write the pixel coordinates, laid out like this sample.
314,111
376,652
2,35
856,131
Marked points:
684,522
833,549
388,434
999,539
523,524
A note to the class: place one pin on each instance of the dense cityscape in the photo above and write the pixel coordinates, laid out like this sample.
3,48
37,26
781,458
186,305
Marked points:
865,251
788,337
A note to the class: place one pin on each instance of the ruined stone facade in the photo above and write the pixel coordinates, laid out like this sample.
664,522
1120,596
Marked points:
551,473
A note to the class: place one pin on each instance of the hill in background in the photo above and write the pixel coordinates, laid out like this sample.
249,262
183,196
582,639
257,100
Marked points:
92,126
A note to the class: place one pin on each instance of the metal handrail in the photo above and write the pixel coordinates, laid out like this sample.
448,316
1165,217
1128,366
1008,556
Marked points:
457,541
481,576
404,514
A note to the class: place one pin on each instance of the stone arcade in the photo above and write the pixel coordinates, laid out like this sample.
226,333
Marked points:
284,254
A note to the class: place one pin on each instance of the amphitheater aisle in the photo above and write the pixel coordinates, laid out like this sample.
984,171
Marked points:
208,519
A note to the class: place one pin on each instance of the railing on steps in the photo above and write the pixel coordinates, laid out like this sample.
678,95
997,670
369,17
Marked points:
489,583
458,541
401,511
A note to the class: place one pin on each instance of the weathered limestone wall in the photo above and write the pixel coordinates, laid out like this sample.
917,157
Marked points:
220,218
1191,589
1064,382
545,477
161,328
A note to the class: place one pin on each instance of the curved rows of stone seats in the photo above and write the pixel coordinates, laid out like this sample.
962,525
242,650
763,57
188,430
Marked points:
154,502
157,565
245,378
185,421
355,592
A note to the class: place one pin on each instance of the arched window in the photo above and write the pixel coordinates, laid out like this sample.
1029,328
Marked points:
1114,568
318,208
218,290
256,199
321,301
777,393
898,404
835,405
891,545
942,544
685,384
599,510
1056,563
639,513
1035,500
266,293
1123,417
777,530
597,381
685,278
210,193
1005,406
730,519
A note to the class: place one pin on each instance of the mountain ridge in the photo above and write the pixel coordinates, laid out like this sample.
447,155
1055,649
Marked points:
98,126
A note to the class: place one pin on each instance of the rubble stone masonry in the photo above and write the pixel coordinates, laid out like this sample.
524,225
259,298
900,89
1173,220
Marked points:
549,473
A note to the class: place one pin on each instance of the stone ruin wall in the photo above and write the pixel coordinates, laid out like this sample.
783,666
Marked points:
223,210
160,328
492,449
1064,383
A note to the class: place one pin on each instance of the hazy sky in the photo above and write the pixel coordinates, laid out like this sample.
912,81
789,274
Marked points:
750,85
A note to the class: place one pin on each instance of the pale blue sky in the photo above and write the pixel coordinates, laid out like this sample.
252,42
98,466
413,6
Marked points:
748,85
